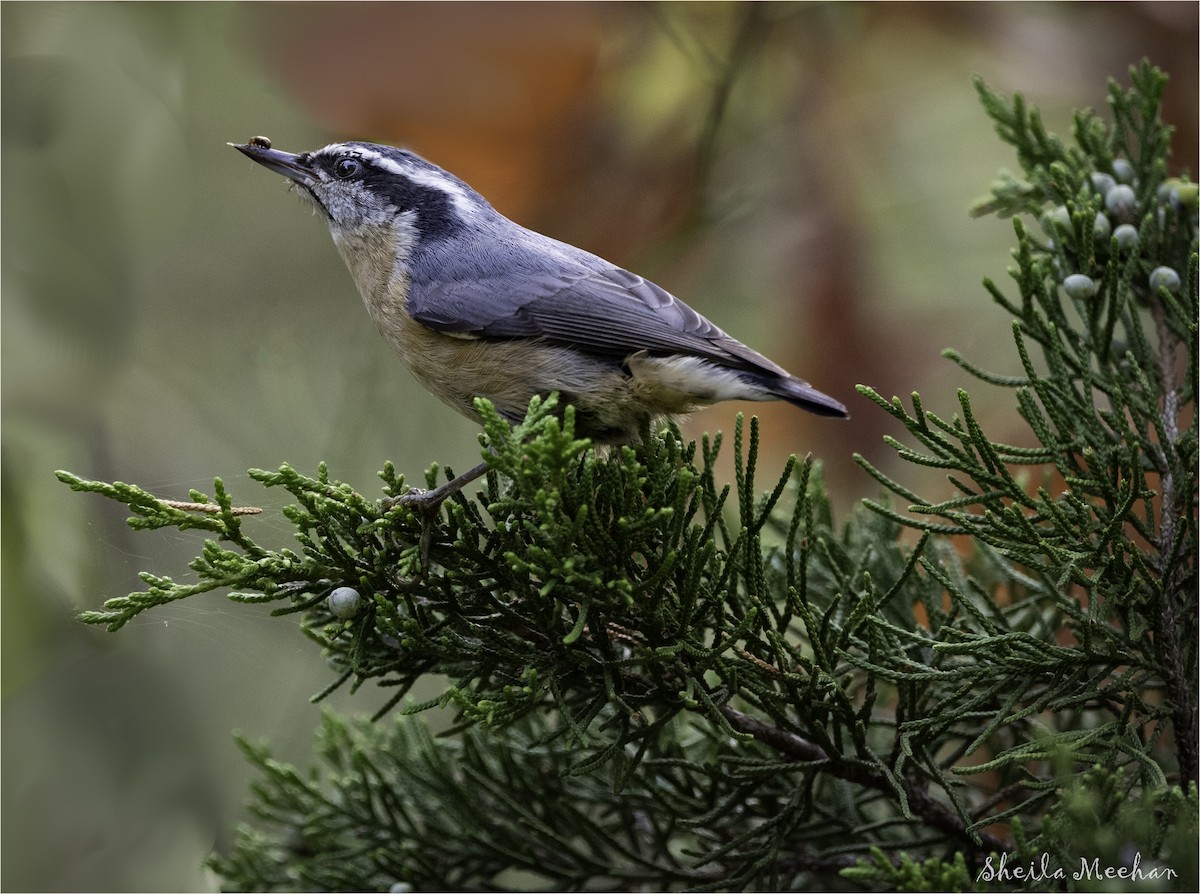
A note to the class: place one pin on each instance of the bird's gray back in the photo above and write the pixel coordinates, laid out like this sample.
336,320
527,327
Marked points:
505,281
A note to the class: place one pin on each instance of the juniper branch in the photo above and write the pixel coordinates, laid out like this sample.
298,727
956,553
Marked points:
920,802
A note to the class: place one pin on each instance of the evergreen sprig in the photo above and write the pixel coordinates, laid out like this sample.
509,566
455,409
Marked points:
1101,522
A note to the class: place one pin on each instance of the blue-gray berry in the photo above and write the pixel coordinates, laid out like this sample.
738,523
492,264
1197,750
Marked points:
1123,170
1103,183
1121,200
1164,277
1126,236
1056,218
1079,286
344,602
1102,228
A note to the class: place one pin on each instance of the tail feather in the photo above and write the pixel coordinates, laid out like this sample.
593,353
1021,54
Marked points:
800,393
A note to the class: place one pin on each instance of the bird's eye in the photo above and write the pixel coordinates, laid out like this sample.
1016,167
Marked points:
346,167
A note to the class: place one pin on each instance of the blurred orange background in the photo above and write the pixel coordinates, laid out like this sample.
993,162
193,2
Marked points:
799,173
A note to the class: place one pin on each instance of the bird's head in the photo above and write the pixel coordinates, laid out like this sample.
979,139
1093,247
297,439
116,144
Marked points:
363,186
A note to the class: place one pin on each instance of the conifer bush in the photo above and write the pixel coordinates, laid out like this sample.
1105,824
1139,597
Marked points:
660,681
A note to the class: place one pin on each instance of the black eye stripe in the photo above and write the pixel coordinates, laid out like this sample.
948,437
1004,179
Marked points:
405,182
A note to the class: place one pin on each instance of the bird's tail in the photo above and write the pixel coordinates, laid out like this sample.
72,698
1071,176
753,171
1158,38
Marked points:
803,395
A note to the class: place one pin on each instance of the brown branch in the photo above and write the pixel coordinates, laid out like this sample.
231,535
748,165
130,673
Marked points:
781,740
1176,671
920,803
210,508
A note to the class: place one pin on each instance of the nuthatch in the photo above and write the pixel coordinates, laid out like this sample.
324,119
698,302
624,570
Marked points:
479,306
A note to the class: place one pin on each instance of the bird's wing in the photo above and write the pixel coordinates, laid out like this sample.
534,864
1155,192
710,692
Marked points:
579,301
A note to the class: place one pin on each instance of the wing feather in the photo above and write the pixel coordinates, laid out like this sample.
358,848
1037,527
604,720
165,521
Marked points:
570,298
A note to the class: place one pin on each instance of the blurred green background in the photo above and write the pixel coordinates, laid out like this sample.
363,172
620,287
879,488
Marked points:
800,173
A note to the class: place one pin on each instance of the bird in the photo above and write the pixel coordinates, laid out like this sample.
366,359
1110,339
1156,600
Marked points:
477,305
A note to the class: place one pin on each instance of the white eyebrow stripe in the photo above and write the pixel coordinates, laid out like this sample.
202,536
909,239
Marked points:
462,200
459,196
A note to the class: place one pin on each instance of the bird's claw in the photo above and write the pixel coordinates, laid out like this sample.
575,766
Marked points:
427,502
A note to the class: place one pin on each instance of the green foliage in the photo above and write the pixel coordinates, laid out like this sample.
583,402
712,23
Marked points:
394,804
605,608
933,874
1095,826
654,681
1101,519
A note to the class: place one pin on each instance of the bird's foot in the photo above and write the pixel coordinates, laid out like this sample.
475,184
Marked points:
429,503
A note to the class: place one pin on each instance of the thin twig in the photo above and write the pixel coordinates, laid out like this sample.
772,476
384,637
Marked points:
210,508
921,803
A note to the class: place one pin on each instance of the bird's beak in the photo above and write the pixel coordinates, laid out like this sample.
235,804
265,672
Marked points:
285,163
